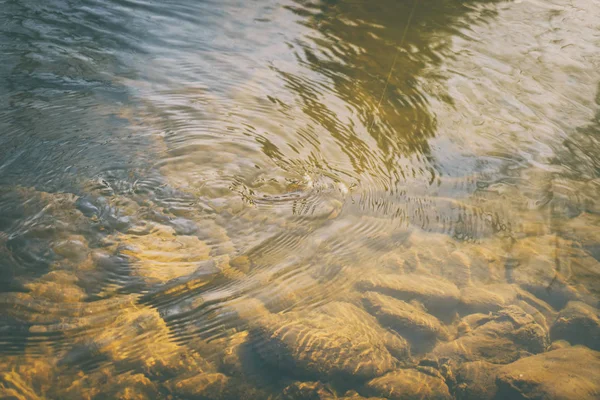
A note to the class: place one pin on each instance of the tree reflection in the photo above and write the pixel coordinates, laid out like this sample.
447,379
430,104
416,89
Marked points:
354,46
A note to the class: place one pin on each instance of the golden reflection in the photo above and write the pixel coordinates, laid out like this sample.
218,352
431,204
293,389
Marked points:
286,237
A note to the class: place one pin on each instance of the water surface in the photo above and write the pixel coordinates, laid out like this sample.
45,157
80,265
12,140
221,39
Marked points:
298,199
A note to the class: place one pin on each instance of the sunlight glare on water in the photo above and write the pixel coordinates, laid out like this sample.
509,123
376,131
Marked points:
300,199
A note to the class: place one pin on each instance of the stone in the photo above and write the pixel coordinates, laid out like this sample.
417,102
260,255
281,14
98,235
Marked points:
404,384
457,268
472,321
407,320
569,373
203,385
559,344
538,308
337,340
541,265
317,391
500,338
487,298
307,391
26,377
437,254
578,323
391,262
583,229
131,336
236,357
281,295
487,260
74,248
476,381
51,299
56,287
107,383
440,297
354,395
242,263
162,255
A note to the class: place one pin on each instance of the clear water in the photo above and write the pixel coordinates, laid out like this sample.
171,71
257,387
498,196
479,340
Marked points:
203,199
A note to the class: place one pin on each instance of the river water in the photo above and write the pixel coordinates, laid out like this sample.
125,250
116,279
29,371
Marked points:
294,199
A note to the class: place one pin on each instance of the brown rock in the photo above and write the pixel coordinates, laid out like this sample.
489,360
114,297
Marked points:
317,391
56,287
569,373
162,255
335,340
578,323
484,299
110,384
241,263
26,377
407,320
204,385
439,296
437,255
307,391
540,265
500,338
132,337
476,381
404,384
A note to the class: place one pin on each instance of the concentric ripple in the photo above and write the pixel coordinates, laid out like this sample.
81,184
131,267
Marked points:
296,199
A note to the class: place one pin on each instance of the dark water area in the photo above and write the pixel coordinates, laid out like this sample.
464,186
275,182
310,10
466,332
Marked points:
300,199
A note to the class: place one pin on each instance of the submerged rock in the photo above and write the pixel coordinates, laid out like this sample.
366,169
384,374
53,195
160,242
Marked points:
439,296
24,377
337,340
500,338
307,391
476,381
488,298
131,337
540,265
110,384
405,384
205,386
56,287
578,323
569,373
407,320
162,255
317,391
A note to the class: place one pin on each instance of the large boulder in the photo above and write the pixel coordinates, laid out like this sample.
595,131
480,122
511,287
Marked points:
499,338
578,323
439,296
409,384
568,373
337,340
411,322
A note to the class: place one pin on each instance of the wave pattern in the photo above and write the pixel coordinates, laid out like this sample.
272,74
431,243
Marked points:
198,198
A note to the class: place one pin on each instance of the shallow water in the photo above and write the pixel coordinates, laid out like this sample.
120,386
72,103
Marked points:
295,199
